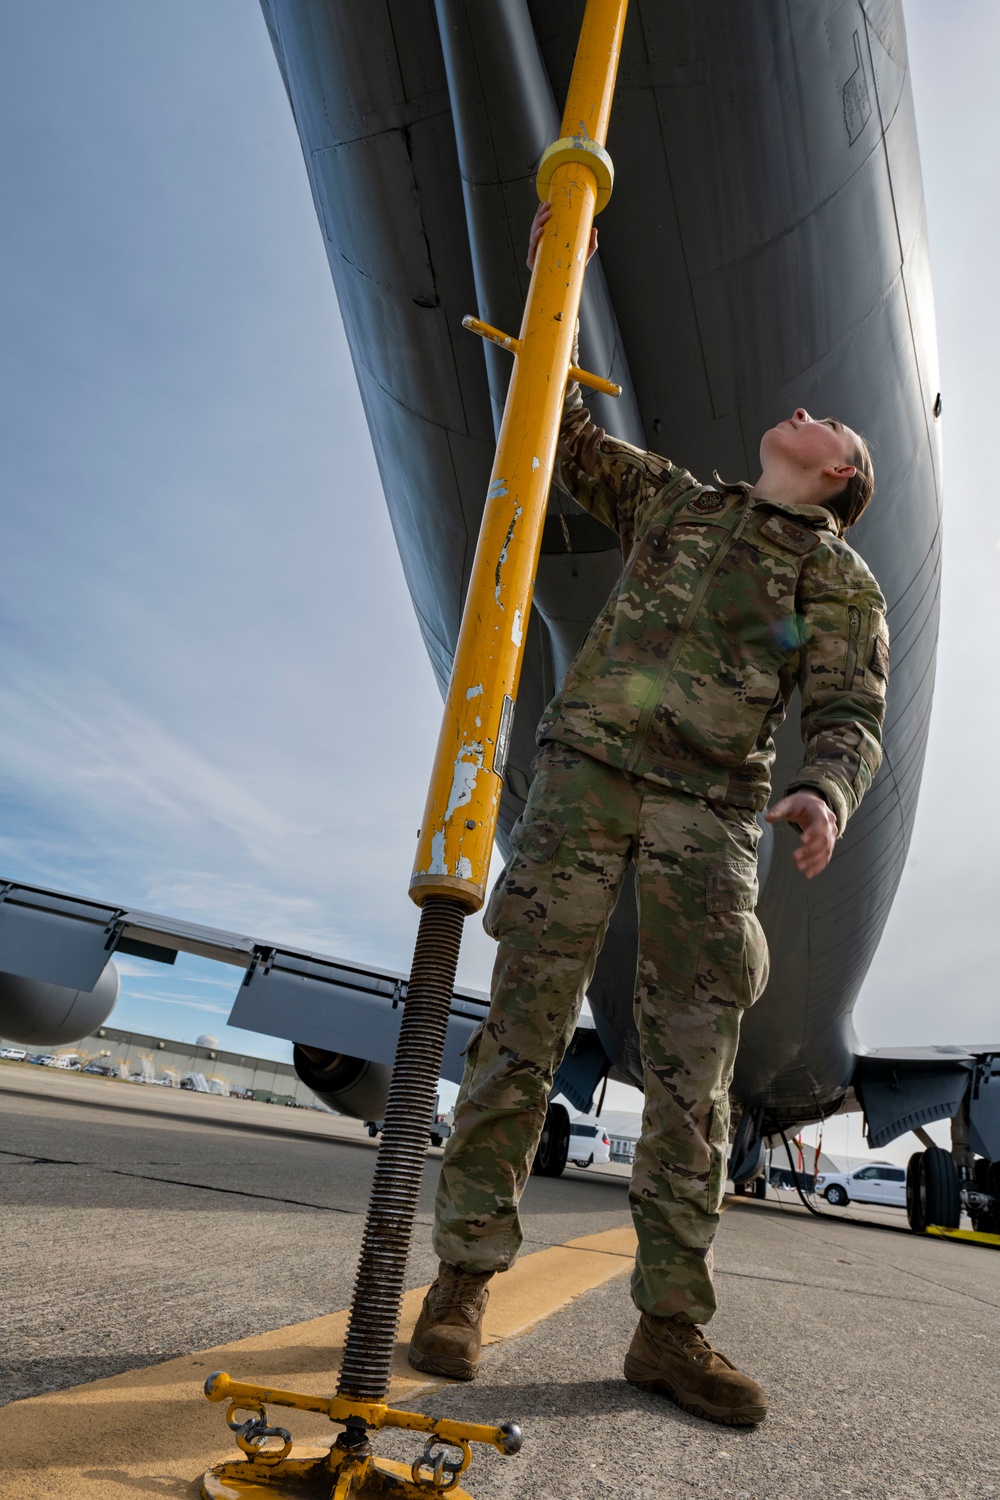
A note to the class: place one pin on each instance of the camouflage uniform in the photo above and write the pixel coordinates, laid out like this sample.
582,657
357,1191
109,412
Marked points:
658,751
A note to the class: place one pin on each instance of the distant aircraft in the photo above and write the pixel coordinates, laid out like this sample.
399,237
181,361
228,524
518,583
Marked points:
765,247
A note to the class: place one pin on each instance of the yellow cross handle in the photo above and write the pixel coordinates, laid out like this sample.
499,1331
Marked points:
242,1397
459,822
513,345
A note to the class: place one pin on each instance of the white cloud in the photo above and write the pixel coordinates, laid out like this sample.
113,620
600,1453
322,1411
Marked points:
185,1001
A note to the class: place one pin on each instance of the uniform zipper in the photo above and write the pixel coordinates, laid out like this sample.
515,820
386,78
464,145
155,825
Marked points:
853,635
663,676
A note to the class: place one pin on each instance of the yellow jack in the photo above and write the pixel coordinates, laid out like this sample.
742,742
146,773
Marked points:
347,1470
454,848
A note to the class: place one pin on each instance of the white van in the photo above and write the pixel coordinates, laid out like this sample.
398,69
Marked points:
589,1144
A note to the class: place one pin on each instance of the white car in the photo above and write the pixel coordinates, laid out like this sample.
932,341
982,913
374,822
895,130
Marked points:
880,1182
589,1145
13,1054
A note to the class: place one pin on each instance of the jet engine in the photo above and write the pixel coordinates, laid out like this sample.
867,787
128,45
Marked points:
350,1085
36,1014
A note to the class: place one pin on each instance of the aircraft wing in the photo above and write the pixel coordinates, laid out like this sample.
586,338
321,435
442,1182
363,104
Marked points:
62,943
905,1088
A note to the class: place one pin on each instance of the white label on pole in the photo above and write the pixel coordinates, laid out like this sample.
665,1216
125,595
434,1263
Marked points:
503,736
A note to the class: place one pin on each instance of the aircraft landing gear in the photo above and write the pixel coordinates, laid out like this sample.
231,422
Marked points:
932,1190
553,1147
984,1199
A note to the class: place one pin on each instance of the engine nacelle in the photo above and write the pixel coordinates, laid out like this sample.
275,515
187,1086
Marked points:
350,1085
36,1014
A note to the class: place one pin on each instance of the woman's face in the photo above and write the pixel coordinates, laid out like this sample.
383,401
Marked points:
809,443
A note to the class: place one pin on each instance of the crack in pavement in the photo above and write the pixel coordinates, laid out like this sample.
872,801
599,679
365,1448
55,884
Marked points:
59,1161
828,1286
798,1222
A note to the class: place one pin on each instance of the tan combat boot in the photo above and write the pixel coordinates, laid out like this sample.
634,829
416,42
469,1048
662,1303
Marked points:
449,1333
672,1357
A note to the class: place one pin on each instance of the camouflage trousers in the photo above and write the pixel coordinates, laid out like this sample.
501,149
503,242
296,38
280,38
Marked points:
702,961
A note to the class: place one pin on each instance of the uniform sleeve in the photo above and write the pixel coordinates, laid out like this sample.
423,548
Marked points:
844,669
609,478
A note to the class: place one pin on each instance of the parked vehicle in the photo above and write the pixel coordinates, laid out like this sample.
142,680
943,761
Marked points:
13,1054
880,1182
589,1144
442,1124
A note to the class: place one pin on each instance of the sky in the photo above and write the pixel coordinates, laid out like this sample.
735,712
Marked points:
214,700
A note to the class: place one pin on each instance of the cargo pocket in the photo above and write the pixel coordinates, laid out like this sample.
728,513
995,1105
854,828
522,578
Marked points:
519,901
733,963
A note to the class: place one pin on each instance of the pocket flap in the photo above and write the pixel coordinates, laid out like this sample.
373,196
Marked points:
731,888
538,842
474,1039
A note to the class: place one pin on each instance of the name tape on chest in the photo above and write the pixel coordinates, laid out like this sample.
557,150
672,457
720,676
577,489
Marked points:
797,539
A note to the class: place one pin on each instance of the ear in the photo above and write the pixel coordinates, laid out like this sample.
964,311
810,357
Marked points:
840,472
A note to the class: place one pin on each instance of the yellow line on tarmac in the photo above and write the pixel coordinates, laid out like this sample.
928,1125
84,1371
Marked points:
151,1431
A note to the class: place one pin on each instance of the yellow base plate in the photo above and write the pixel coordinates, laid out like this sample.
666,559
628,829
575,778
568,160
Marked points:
308,1478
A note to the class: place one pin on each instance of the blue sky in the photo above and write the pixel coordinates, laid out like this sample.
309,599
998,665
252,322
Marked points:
213,697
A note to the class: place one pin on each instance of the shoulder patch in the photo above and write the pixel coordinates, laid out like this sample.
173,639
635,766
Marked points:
707,503
797,539
880,657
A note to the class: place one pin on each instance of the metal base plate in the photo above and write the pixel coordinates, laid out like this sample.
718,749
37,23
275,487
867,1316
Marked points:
303,1478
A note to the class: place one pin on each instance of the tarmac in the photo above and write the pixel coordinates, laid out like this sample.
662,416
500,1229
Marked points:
152,1236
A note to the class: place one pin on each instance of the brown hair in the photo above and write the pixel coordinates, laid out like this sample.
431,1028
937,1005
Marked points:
850,504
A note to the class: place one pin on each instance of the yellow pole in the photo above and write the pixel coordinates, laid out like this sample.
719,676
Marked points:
456,835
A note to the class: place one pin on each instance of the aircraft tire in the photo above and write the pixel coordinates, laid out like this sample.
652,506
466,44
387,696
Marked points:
553,1147
837,1195
913,1205
937,1195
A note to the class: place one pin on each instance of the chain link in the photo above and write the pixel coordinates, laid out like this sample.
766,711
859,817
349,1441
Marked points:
252,1434
444,1471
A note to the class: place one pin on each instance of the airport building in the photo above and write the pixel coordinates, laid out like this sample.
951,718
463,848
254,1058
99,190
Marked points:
203,1066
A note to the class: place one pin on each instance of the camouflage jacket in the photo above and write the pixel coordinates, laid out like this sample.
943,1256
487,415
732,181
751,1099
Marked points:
725,604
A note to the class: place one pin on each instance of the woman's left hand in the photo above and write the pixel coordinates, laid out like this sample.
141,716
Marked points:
814,816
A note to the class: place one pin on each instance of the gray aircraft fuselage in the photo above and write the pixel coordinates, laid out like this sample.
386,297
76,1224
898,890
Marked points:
764,248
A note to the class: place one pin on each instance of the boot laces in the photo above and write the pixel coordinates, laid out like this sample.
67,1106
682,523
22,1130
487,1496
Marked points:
689,1339
458,1291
